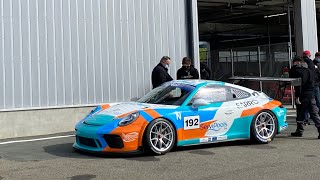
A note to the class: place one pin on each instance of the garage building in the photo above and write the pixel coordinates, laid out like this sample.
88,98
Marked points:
59,56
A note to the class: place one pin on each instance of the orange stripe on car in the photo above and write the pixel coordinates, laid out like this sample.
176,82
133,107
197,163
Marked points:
195,133
154,114
270,105
105,106
135,130
151,112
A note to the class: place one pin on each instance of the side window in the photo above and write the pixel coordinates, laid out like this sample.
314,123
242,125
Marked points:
172,96
212,94
238,94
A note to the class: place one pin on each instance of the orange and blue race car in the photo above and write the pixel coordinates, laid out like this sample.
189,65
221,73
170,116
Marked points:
181,113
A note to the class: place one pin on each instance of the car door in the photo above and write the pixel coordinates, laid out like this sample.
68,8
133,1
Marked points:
229,122
200,122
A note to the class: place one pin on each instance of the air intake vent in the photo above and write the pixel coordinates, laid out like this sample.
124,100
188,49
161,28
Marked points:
114,141
87,141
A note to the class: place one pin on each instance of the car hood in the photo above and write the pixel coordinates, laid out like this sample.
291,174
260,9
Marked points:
117,111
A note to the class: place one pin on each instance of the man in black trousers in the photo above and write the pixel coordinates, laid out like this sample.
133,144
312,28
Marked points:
304,95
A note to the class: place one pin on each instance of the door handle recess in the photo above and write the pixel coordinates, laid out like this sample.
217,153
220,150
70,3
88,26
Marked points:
229,112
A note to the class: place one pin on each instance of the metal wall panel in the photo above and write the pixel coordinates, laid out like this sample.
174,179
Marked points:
2,72
305,26
57,53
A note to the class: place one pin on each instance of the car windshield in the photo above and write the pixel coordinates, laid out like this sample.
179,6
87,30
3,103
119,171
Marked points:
168,94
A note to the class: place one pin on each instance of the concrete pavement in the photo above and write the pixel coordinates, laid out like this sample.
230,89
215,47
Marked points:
284,158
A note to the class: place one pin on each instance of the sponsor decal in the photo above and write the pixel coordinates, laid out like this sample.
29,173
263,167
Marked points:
178,115
245,104
280,112
203,140
212,139
216,126
221,138
209,139
191,122
284,127
129,137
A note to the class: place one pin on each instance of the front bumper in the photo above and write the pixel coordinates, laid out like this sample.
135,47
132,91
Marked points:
109,138
281,114
81,149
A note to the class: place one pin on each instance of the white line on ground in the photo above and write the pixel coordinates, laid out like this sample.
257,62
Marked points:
32,140
291,115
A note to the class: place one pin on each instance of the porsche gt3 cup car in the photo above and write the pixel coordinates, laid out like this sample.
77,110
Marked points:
181,113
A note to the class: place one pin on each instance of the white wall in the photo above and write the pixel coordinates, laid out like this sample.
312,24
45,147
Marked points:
77,52
305,26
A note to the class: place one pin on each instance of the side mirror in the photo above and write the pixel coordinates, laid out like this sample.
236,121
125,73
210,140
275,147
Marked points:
199,102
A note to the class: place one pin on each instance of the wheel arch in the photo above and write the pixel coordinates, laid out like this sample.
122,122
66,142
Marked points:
273,114
178,135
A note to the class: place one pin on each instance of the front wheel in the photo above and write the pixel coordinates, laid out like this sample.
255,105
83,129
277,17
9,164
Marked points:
264,127
160,136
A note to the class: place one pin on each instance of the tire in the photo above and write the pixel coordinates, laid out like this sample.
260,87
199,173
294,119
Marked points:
160,136
264,127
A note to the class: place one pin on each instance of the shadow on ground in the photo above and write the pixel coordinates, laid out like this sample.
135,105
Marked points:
83,177
299,138
243,143
66,151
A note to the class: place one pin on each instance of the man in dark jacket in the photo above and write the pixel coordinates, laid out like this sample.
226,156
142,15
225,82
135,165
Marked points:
315,71
316,62
205,72
304,95
187,71
160,72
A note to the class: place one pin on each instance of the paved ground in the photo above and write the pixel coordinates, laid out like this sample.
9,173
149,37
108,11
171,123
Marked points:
283,158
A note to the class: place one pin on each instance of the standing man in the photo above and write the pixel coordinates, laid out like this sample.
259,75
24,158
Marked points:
205,72
187,71
160,72
316,62
312,67
304,95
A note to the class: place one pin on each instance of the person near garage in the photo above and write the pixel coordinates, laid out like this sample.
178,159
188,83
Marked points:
187,71
160,73
304,95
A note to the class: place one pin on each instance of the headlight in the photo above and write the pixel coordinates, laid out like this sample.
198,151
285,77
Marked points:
129,119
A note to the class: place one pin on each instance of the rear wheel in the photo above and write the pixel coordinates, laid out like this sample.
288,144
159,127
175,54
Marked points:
264,127
160,136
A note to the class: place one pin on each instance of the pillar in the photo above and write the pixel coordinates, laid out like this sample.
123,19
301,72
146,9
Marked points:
305,26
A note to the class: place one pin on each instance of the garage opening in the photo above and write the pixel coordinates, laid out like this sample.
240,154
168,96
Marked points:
245,32
246,38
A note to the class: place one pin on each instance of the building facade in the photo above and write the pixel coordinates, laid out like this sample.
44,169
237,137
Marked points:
61,53
57,55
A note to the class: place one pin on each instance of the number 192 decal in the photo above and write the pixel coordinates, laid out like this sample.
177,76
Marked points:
191,122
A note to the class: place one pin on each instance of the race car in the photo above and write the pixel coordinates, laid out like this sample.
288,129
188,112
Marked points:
181,113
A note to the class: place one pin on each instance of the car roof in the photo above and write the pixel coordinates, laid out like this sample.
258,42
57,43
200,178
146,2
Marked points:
200,83
197,82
